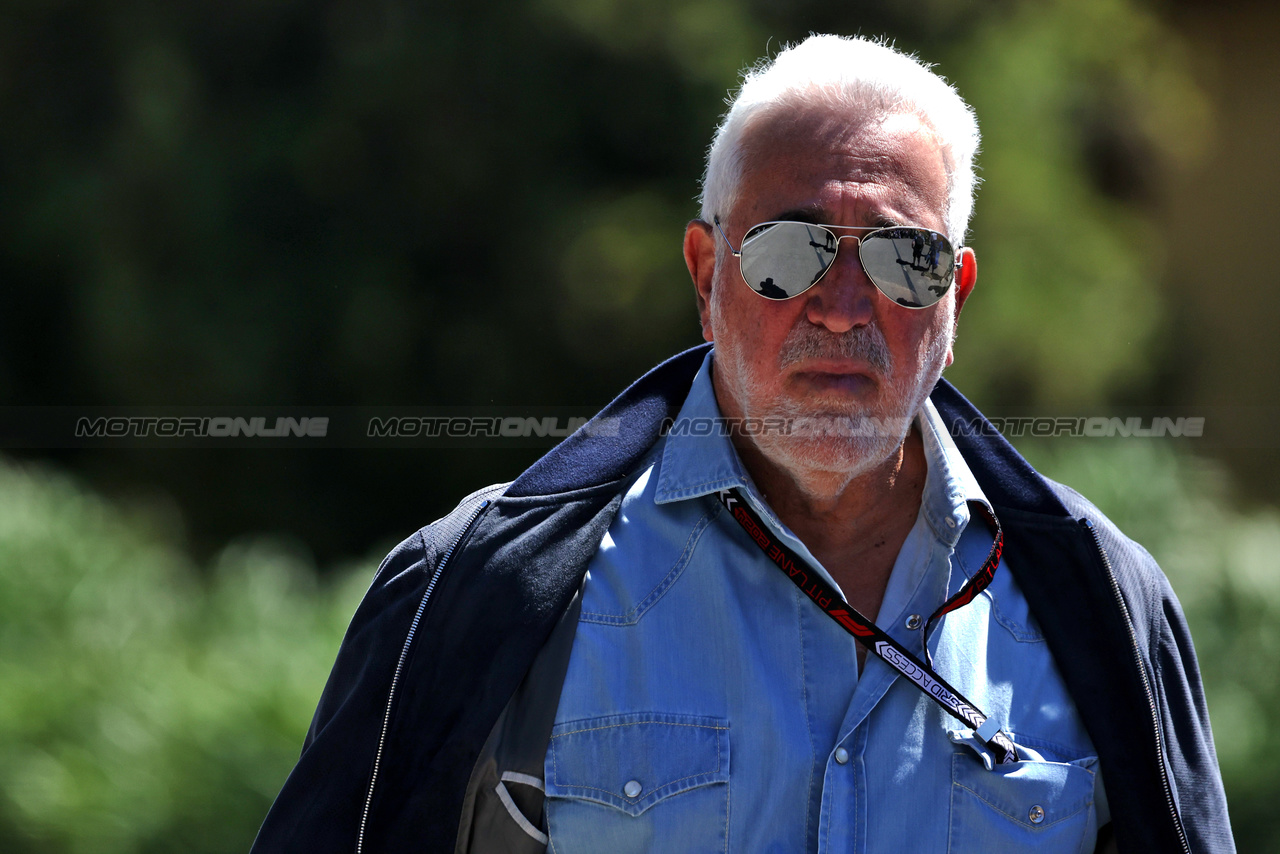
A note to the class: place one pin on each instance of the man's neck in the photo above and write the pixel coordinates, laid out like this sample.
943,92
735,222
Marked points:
854,526
831,507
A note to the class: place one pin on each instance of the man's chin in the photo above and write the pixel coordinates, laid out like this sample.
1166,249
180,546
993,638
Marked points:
840,441
827,454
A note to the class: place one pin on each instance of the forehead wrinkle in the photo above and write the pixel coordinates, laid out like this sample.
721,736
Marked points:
872,200
903,163
881,154
893,133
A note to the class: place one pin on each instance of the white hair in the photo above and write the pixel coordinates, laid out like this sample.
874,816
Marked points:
835,72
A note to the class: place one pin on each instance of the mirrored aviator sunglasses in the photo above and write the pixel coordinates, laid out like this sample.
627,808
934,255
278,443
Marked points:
914,267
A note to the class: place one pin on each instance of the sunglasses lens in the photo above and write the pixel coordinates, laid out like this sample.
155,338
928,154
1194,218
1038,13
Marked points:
783,259
913,267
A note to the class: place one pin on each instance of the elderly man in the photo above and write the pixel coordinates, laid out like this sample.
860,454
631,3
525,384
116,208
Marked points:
826,624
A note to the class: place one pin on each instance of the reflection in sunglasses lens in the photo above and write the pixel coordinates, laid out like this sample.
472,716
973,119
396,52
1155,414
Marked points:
911,266
786,258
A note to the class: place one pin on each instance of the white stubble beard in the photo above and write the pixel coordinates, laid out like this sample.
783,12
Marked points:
850,440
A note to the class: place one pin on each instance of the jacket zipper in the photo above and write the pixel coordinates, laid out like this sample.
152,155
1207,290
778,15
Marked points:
404,653
1146,686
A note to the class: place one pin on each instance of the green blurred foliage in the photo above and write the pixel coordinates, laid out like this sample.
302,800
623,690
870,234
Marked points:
145,707
1077,132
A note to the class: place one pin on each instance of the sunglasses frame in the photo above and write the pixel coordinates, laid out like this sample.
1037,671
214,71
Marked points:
870,231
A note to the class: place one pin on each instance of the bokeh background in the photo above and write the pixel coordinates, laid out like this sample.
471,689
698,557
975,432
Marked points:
387,203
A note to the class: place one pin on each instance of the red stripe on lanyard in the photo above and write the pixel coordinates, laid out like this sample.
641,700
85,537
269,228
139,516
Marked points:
980,580
870,635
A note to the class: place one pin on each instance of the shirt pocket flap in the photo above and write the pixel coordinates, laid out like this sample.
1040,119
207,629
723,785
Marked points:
633,761
1034,796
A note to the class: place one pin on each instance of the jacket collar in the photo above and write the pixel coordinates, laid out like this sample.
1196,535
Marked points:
1006,478
609,446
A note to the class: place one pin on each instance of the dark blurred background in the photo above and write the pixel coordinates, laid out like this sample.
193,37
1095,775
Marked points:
394,204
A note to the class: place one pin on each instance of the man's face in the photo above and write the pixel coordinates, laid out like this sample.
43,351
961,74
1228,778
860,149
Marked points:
842,349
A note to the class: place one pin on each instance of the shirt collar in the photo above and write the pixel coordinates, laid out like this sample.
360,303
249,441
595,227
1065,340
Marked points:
950,483
698,458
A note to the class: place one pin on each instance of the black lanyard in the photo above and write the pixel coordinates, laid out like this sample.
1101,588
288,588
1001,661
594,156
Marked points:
872,637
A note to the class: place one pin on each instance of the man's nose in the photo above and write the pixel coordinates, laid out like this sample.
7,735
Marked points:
844,297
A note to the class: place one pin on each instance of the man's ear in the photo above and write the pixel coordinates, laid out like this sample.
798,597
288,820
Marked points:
966,278
700,256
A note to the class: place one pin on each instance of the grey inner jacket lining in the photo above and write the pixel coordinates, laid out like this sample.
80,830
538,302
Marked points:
517,746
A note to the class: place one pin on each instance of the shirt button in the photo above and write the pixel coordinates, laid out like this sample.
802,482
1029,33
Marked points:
1037,814
913,622
842,755
633,789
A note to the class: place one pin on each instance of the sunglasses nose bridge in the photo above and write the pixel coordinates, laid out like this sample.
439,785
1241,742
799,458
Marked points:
844,297
856,253
844,268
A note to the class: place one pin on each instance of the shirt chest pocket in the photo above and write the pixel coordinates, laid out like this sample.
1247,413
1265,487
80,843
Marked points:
638,782
1033,805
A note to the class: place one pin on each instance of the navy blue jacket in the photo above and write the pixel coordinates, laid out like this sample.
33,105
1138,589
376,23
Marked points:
457,613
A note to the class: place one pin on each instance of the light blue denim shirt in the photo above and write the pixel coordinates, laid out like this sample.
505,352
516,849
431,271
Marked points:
709,705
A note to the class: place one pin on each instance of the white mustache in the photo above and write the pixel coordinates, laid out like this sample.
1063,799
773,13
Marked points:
806,341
